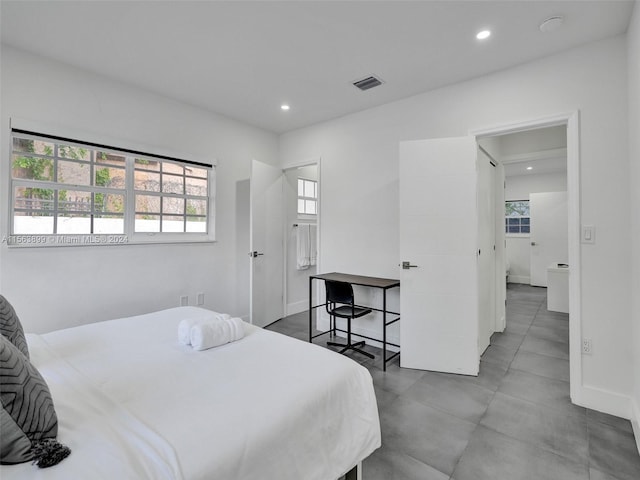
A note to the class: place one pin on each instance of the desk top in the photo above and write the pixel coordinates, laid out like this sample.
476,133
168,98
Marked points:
359,280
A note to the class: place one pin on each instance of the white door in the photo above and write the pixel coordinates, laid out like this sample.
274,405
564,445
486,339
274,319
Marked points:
549,233
438,234
486,251
267,244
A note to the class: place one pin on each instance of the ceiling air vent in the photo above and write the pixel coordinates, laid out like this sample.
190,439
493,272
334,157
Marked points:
367,83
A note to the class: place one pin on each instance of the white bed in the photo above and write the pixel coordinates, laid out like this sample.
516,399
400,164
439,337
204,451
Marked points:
133,403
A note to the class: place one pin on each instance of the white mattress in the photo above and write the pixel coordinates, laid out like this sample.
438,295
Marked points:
133,403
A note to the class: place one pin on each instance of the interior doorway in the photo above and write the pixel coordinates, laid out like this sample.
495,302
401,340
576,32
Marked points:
301,233
566,127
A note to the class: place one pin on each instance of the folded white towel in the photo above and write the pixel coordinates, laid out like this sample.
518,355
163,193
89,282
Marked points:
184,327
213,333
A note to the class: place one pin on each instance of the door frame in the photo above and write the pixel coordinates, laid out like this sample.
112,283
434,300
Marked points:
317,161
572,122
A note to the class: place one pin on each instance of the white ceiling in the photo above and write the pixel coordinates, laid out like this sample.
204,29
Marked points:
244,59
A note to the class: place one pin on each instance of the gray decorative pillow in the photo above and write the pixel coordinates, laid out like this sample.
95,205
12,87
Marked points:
11,327
28,414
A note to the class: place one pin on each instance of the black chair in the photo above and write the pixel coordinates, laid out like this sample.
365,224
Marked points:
340,303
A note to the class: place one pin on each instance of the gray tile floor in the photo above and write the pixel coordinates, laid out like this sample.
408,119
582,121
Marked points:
512,422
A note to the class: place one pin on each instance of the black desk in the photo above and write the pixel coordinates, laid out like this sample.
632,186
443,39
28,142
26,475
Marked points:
374,282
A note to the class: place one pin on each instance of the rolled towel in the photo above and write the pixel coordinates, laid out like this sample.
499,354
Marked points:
216,332
184,327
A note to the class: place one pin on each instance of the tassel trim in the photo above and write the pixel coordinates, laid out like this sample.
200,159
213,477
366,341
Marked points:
48,452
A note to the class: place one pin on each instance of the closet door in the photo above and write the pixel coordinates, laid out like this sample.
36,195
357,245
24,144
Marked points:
438,239
267,244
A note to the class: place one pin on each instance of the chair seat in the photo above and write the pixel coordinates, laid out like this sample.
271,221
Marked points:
345,311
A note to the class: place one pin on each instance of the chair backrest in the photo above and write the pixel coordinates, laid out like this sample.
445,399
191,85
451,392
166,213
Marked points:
339,292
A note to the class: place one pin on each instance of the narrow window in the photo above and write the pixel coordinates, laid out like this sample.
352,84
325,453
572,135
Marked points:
307,197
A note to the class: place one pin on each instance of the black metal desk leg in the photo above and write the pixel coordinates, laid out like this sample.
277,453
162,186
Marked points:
384,329
310,310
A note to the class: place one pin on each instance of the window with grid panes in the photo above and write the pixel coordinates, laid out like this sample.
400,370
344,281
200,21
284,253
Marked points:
307,197
68,192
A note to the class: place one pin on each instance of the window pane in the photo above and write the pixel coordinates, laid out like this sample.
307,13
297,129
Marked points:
196,186
300,206
171,223
300,187
146,164
173,205
32,146
74,223
104,158
513,229
75,173
517,209
111,177
108,203
197,224
513,221
147,223
108,224
146,181
28,198
196,207
32,168
310,207
525,229
172,184
75,153
309,189
33,222
524,221
195,172
147,204
74,201
169,167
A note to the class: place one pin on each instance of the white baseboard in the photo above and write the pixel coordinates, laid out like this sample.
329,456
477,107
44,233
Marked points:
605,401
297,307
635,421
519,279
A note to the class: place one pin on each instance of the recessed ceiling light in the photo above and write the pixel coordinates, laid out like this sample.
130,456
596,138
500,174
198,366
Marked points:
529,168
284,107
551,24
483,34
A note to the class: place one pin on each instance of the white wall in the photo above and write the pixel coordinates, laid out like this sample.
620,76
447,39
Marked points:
634,157
519,246
360,168
60,287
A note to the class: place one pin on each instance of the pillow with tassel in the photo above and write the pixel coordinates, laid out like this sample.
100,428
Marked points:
11,327
29,421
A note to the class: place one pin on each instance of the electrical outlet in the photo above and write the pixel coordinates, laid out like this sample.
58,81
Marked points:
184,300
586,346
200,299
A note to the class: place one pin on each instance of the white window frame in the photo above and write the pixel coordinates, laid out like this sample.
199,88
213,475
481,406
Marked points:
517,234
129,236
305,198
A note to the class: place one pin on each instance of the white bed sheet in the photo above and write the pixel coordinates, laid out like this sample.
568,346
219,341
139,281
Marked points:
265,407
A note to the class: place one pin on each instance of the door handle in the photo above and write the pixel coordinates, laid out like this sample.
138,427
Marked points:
533,244
254,254
407,265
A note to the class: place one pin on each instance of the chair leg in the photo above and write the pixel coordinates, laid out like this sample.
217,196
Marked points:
348,345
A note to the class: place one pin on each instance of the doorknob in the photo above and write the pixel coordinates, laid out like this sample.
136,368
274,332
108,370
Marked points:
254,254
533,244
407,265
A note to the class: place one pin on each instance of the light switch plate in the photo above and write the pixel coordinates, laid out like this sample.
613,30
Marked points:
588,234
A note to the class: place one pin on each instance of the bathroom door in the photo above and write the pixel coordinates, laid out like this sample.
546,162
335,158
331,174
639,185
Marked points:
439,240
266,244
549,233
